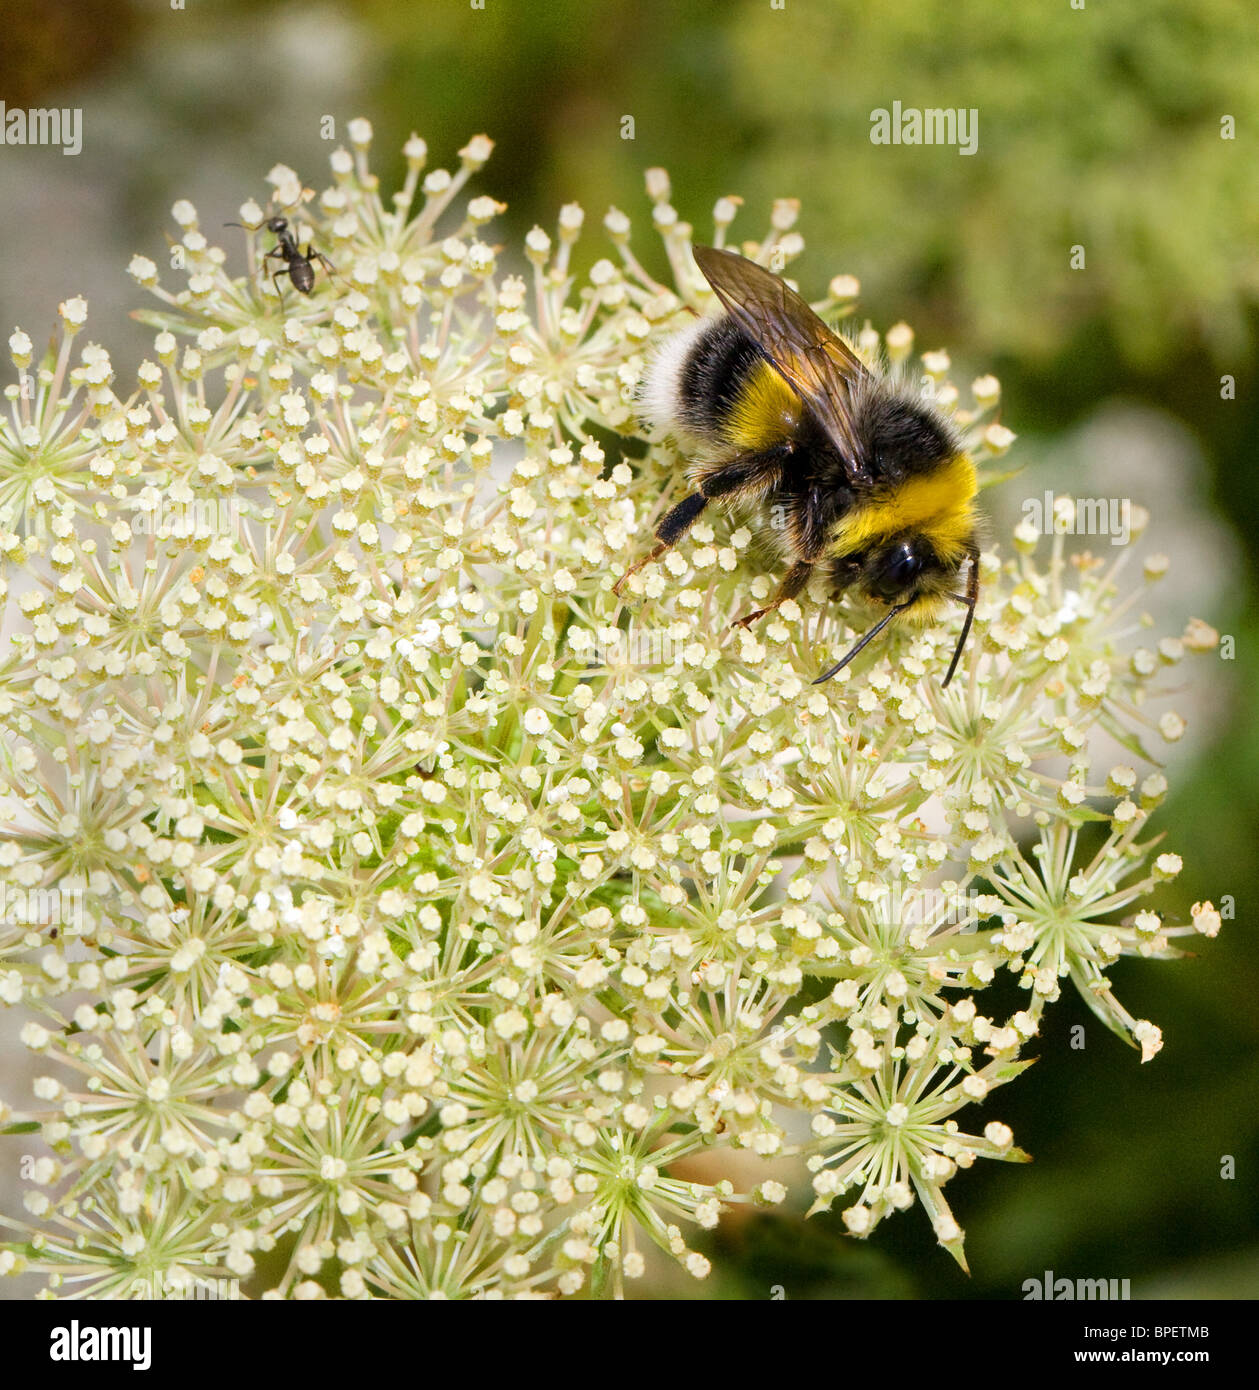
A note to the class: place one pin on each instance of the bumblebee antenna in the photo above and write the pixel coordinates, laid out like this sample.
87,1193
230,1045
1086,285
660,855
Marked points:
860,645
970,600
961,642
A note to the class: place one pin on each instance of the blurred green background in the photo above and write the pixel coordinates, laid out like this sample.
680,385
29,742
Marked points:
1100,126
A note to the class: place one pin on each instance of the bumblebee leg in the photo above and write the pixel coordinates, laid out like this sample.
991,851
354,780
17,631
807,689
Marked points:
795,580
751,475
844,573
676,523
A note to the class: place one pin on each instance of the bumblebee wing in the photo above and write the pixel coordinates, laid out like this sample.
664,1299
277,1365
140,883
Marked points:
817,364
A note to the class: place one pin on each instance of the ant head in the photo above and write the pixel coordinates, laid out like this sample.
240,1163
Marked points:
277,225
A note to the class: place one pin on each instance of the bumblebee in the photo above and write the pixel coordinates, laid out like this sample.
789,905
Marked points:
777,411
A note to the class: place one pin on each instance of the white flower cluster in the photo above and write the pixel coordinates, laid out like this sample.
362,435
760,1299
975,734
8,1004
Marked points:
393,910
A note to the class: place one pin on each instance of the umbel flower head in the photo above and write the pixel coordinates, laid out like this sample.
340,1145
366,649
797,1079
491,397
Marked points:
393,909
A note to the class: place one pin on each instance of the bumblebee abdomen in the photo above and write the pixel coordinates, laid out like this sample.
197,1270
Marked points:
764,412
712,382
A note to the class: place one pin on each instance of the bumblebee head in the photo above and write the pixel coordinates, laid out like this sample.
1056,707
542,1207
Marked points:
892,573
909,575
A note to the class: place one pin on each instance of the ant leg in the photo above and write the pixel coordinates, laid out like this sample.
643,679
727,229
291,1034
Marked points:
327,264
283,270
795,580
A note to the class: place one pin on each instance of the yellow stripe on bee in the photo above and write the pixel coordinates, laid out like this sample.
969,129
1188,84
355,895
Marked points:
764,411
938,503
925,611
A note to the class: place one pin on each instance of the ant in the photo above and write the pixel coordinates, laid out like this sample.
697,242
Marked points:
297,263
